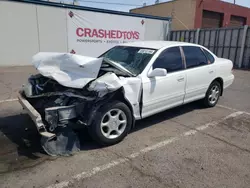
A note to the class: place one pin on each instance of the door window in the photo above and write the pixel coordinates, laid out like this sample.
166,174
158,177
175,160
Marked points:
209,56
194,56
170,59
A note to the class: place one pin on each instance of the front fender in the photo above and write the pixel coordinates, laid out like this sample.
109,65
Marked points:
117,95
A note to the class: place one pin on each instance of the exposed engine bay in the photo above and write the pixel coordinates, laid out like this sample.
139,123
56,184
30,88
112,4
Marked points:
66,100
63,110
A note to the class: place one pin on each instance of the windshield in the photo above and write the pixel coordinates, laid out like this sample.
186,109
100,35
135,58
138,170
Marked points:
134,59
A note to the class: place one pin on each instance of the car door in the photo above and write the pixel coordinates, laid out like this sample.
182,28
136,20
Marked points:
199,71
161,93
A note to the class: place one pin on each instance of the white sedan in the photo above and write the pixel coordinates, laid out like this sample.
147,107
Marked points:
127,83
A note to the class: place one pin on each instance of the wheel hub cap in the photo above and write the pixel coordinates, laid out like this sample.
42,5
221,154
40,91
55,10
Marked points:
214,94
113,123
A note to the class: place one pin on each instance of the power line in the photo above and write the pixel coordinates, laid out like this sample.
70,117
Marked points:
109,3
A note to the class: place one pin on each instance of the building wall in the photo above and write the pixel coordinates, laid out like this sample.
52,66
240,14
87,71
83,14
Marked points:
27,29
52,29
19,32
182,12
227,9
156,29
187,14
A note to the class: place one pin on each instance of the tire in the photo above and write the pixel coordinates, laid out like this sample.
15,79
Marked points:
108,128
212,95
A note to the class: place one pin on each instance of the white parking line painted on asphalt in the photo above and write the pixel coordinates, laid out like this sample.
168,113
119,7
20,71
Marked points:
8,100
203,127
189,133
119,161
226,107
233,109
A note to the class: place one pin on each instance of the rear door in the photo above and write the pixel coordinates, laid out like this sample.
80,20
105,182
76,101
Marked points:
200,73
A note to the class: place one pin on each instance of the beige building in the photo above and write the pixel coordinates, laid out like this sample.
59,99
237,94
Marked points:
182,12
192,14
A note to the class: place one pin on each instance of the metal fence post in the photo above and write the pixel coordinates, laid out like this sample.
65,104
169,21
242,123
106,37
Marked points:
197,36
169,34
243,45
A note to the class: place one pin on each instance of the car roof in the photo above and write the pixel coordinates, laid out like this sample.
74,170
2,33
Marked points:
157,44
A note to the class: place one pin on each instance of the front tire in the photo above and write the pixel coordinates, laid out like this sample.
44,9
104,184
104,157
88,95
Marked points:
213,94
112,123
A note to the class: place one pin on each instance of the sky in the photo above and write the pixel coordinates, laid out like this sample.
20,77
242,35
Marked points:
136,3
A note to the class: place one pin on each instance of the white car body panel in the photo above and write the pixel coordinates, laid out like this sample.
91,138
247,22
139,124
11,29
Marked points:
110,82
223,70
159,93
198,81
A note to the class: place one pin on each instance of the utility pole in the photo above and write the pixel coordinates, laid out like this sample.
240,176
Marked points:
234,1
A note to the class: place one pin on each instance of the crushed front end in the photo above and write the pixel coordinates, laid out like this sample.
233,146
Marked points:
68,92
57,111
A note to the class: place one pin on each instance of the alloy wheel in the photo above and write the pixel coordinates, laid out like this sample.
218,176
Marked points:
113,123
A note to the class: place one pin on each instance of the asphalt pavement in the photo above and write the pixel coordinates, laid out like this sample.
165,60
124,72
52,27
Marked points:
188,146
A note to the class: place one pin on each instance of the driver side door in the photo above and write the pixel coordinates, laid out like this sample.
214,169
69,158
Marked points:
161,93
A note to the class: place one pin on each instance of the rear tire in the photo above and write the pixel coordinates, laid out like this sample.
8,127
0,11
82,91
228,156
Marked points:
112,123
213,94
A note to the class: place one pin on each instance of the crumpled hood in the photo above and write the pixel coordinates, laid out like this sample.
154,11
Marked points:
75,71
67,69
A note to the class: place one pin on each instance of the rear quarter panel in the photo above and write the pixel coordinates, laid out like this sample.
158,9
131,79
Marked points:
224,71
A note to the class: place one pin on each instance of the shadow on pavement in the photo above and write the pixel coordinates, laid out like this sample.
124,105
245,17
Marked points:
166,115
20,141
87,143
20,130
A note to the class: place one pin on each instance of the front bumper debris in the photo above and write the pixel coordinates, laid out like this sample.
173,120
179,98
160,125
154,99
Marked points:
35,116
64,141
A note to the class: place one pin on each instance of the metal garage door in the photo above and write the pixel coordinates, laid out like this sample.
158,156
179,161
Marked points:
237,21
211,19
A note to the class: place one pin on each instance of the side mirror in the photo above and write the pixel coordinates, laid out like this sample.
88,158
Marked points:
157,72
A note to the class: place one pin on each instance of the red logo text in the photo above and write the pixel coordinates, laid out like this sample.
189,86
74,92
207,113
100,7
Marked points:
107,34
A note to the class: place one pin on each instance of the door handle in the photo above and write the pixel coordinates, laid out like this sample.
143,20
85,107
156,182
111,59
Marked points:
210,72
181,79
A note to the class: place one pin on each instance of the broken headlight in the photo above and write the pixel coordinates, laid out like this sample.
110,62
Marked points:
27,88
59,115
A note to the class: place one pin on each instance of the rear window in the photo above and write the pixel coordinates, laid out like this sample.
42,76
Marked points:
194,57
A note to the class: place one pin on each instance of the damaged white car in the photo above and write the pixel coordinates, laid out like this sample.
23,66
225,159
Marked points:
108,94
